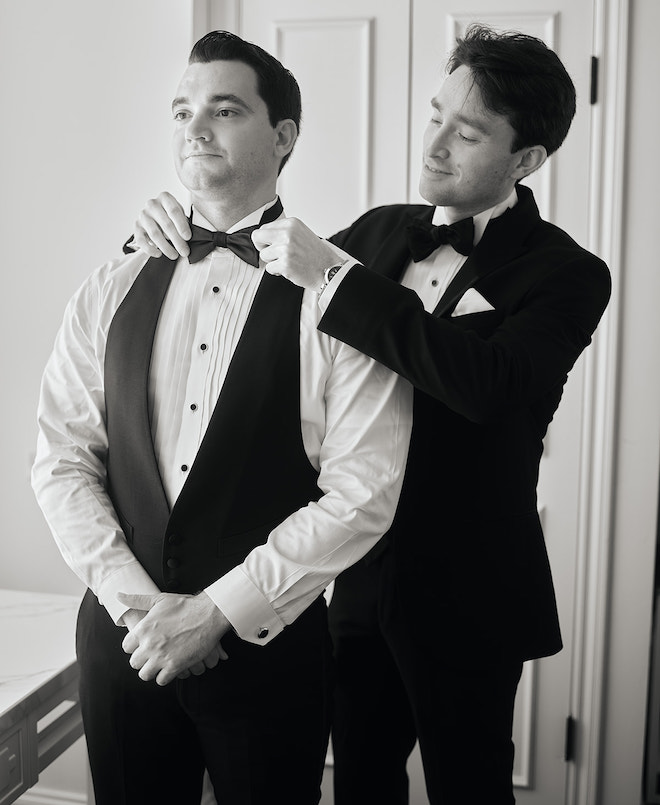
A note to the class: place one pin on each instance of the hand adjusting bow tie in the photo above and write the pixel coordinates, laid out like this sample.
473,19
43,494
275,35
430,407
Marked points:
203,241
424,238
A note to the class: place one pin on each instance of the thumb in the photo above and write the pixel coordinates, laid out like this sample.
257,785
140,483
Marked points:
141,602
262,237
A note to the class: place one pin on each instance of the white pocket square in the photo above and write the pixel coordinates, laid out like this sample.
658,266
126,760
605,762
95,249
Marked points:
472,302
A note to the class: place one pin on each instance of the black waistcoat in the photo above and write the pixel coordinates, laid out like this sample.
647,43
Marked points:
251,470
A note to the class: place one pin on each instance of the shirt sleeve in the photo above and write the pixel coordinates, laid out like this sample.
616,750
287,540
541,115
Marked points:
68,475
364,420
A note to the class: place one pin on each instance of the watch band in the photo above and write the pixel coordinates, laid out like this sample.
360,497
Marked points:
328,274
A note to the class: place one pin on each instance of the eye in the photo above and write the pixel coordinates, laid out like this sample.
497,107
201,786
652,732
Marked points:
180,114
226,112
467,139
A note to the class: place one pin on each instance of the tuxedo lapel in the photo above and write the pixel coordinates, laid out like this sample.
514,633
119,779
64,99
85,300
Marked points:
501,243
393,256
127,360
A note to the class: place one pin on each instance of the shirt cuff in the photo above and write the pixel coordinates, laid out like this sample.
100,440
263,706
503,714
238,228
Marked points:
132,579
252,617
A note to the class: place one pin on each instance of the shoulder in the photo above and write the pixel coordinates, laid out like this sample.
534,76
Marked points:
379,222
551,247
98,297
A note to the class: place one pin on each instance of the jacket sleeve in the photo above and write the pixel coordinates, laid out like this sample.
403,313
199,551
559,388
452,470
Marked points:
475,373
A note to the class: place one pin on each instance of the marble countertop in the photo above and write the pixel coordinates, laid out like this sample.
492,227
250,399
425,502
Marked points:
37,649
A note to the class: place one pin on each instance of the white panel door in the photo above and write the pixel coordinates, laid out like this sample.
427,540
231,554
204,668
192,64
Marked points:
367,71
562,191
351,153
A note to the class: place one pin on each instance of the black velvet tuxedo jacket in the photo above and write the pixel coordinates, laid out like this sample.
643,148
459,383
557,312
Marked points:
470,560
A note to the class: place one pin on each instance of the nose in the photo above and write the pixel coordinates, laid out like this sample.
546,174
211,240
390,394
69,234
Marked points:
437,141
197,128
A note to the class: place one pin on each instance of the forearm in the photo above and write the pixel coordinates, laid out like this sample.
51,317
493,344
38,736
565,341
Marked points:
477,374
362,455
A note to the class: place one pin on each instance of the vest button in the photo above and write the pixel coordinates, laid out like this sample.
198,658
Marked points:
174,539
173,564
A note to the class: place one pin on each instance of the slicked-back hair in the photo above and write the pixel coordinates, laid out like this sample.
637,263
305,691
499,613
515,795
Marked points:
276,85
521,78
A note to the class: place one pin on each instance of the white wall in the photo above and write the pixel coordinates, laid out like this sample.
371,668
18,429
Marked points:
86,87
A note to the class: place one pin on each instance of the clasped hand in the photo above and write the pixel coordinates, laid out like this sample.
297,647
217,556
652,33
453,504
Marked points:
172,635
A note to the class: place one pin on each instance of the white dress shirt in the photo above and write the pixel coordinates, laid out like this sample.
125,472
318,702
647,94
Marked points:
355,423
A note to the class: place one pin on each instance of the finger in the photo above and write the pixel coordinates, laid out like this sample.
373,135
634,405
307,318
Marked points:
164,676
213,657
130,643
197,669
184,674
166,225
142,242
177,214
149,238
150,670
263,237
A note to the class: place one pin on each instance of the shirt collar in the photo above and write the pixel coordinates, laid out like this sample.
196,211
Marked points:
481,219
252,219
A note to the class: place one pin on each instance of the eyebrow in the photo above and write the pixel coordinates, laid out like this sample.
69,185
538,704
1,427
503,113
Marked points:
222,98
469,121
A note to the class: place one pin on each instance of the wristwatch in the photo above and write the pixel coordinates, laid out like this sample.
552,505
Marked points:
328,274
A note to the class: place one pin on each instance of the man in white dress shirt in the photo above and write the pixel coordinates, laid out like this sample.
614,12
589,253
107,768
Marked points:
208,461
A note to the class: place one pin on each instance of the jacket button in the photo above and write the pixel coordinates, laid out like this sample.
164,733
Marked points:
173,563
262,633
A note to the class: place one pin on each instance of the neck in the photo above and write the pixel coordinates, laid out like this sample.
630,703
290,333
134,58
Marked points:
223,213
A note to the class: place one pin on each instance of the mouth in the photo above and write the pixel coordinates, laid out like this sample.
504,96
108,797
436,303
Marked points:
437,171
200,154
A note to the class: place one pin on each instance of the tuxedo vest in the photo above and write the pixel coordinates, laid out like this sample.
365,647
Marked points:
251,470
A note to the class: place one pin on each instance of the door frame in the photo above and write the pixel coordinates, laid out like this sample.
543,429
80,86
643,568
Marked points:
599,409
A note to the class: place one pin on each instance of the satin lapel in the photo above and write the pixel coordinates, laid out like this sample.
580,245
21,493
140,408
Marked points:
127,368
501,243
393,256
253,370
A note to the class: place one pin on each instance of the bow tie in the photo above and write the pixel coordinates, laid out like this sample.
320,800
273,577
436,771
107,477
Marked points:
203,241
424,238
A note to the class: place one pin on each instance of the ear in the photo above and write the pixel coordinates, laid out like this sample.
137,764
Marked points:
530,160
286,134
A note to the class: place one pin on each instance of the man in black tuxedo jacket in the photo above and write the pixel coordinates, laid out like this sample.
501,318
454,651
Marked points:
485,312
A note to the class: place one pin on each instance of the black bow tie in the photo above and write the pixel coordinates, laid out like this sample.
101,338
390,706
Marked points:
424,238
203,241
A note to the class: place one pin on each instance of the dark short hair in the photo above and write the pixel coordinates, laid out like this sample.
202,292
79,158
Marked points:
276,85
521,78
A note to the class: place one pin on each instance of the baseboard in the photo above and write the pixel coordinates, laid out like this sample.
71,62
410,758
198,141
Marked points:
40,795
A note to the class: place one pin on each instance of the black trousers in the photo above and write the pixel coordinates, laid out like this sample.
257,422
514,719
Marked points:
394,685
259,721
